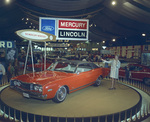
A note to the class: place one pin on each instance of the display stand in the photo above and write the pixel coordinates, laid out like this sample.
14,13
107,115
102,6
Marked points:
34,35
29,47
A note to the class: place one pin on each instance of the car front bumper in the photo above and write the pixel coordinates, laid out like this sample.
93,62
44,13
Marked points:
29,94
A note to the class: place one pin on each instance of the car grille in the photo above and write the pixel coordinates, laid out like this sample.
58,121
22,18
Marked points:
26,86
21,85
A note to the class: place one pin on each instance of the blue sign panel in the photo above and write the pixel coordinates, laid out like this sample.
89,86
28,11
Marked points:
7,44
47,25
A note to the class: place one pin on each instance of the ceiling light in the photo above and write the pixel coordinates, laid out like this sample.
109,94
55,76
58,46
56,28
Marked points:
104,47
114,40
103,41
143,34
7,1
91,25
113,3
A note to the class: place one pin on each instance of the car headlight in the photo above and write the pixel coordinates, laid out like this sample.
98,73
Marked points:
38,88
17,83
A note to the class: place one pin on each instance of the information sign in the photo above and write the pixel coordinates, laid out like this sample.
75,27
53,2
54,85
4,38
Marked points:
65,29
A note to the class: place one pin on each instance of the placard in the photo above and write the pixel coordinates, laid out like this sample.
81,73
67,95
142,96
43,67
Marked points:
35,35
65,29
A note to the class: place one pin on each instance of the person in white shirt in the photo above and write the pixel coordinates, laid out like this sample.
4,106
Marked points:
114,72
2,72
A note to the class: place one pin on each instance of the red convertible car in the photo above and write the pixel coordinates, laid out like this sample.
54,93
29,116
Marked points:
137,72
60,79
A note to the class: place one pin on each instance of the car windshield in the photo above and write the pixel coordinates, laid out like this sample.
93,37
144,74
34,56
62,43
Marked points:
62,67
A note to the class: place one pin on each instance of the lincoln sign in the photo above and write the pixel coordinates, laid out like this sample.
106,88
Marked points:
65,29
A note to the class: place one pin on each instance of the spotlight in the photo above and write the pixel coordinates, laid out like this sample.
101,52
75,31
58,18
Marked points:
114,40
113,3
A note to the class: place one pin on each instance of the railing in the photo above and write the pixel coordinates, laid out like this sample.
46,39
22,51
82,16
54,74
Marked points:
135,114
10,114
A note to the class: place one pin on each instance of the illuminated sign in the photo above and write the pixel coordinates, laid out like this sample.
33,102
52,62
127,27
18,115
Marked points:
65,29
48,25
72,34
72,24
35,35
7,44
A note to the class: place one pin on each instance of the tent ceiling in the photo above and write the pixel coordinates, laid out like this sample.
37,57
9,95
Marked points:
128,19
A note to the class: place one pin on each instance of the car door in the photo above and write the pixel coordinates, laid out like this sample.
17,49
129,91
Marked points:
82,77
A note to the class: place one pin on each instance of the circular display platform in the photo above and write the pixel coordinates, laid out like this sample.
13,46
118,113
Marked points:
89,102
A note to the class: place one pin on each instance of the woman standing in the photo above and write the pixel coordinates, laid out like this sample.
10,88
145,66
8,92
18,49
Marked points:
114,72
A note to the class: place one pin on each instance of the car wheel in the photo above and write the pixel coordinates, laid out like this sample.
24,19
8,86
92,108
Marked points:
60,95
147,81
98,81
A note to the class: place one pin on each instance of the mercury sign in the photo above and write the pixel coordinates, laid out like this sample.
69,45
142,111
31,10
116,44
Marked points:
6,44
66,29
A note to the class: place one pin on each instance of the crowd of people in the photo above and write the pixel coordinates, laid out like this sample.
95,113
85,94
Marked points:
10,70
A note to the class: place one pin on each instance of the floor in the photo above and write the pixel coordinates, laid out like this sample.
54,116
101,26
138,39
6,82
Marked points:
79,103
145,101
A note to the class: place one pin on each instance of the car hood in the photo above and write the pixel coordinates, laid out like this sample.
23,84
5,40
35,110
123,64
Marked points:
42,77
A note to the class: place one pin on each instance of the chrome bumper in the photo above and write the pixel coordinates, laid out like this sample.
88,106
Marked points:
29,94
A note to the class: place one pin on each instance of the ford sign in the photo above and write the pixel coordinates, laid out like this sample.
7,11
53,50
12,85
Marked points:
48,28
